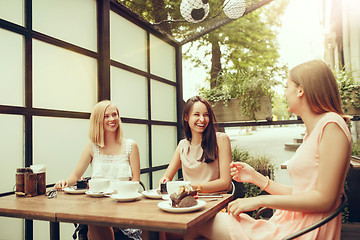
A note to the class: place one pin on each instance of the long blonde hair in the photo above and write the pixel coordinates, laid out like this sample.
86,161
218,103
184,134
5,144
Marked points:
96,132
320,86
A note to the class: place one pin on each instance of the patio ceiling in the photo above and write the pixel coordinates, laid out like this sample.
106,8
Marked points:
165,15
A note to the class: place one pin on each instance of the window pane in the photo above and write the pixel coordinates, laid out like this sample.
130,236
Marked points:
11,149
12,68
42,230
15,224
144,178
12,11
127,42
68,20
163,101
129,92
63,80
163,144
139,133
162,59
58,143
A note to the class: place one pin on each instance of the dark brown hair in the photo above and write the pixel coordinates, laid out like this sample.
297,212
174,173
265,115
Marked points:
208,142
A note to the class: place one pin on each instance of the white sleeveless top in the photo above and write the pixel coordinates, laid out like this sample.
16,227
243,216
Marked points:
115,167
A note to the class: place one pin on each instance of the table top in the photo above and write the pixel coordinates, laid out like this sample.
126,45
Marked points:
143,213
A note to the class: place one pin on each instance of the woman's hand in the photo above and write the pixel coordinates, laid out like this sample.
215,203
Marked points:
242,172
163,180
60,185
244,205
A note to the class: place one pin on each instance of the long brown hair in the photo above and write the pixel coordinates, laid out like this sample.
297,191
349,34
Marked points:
320,86
208,142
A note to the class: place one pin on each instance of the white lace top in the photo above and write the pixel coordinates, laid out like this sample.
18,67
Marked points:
115,167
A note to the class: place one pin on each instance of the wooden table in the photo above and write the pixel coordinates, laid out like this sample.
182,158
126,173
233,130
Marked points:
142,214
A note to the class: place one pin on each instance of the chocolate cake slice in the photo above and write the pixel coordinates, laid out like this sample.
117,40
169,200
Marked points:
184,199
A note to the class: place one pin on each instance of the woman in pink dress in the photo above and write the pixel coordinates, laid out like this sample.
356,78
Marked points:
318,169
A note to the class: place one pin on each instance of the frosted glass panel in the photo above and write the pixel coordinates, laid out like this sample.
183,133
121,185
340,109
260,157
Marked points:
144,178
162,59
164,142
68,20
163,101
139,133
129,92
127,42
11,68
12,11
42,230
15,226
11,149
63,80
58,143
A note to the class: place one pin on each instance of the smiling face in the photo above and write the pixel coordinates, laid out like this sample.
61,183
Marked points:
198,118
111,119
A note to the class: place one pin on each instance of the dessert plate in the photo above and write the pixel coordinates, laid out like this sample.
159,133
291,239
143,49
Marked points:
152,194
73,190
166,206
126,198
99,194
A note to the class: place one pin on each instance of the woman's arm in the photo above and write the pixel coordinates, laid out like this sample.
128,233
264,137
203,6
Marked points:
82,165
242,172
173,167
135,162
224,156
333,163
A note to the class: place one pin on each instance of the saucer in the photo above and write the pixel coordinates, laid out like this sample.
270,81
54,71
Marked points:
99,194
166,197
126,198
73,190
152,194
166,206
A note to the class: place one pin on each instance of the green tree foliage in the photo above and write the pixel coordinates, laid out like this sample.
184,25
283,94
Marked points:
246,44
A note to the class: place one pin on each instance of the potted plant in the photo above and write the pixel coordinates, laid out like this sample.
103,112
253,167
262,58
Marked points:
349,87
240,95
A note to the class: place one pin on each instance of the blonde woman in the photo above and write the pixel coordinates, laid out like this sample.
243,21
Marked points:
110,156
318,169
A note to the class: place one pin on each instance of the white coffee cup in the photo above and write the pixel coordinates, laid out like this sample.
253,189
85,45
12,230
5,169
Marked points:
99,184
174,186
127,188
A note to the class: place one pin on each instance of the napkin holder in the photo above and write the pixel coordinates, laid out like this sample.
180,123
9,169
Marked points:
31,181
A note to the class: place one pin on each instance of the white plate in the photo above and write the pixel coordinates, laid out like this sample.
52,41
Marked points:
99,194
126,198
152,194
166,197
166,206
72,190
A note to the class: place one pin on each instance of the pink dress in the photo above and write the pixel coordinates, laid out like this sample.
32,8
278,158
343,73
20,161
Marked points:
303,169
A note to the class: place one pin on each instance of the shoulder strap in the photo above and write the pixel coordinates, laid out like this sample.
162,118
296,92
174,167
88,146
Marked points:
96,150
129,143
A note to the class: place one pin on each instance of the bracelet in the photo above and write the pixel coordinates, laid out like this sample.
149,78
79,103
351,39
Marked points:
266,184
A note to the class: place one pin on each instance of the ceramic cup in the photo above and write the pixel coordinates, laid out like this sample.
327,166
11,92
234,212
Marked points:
174,186
99,184
127,187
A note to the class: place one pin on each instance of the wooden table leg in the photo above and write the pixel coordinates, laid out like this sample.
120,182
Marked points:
54,231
